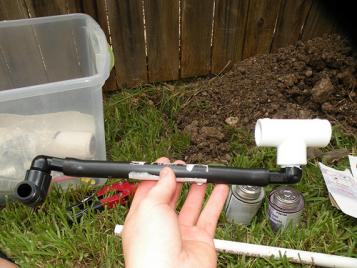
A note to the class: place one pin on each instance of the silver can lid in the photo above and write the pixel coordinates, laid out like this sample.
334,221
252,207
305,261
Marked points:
287,197
248,192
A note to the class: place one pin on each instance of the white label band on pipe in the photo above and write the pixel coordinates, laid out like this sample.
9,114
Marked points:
145,176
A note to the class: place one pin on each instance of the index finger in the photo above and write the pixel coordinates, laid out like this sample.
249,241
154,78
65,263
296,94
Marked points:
145,186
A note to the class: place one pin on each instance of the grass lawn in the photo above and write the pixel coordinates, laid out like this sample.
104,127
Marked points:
138,129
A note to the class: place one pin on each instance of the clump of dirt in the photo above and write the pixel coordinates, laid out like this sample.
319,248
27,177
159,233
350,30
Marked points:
312,79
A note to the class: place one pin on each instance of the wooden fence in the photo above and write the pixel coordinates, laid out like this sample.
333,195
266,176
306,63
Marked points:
161,40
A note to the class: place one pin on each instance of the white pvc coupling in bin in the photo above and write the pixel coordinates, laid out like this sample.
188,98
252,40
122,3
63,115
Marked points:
52,70
292,137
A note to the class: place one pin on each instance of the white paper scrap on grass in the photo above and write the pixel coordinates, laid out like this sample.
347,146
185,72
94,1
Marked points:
343,188
353,165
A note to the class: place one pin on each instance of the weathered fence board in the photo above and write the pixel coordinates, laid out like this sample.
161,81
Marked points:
12,10
162,33
262,16
90,7
229,26
196,37
111,83
290,23
319,21
127,32
39,8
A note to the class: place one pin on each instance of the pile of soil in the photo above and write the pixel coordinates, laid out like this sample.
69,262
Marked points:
316,78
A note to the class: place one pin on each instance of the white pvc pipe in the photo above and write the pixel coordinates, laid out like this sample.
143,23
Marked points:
294,255
71,144
297,256
292,137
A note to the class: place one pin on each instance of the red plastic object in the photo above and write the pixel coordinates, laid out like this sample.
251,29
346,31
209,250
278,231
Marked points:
123,191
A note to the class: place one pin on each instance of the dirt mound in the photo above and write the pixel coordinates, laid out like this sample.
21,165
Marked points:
312,79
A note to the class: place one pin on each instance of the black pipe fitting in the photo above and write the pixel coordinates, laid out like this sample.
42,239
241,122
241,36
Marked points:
287,175
292,174
33,190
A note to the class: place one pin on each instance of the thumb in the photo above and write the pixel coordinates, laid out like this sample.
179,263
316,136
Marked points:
165,188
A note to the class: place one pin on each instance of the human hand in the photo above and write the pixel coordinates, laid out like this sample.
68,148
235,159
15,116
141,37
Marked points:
155,236
6,264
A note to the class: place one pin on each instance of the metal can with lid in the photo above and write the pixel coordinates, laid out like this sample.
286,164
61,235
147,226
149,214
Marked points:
286,205
243,203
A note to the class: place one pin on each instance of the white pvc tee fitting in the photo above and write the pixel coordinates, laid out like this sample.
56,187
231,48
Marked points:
292,137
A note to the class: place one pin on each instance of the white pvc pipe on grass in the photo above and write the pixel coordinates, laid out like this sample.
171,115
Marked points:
294,255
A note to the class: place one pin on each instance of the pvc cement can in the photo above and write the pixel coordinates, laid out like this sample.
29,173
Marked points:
243,203
285,207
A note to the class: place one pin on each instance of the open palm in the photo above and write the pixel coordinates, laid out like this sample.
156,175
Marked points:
155,235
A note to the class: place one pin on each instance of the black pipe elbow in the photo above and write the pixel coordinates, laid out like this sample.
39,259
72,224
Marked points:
41,162
33,190
293,174
286,175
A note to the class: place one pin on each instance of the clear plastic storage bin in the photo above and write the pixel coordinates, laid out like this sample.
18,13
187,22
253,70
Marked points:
52,70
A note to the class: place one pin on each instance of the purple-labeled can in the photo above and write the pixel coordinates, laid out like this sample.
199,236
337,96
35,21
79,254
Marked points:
286,205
